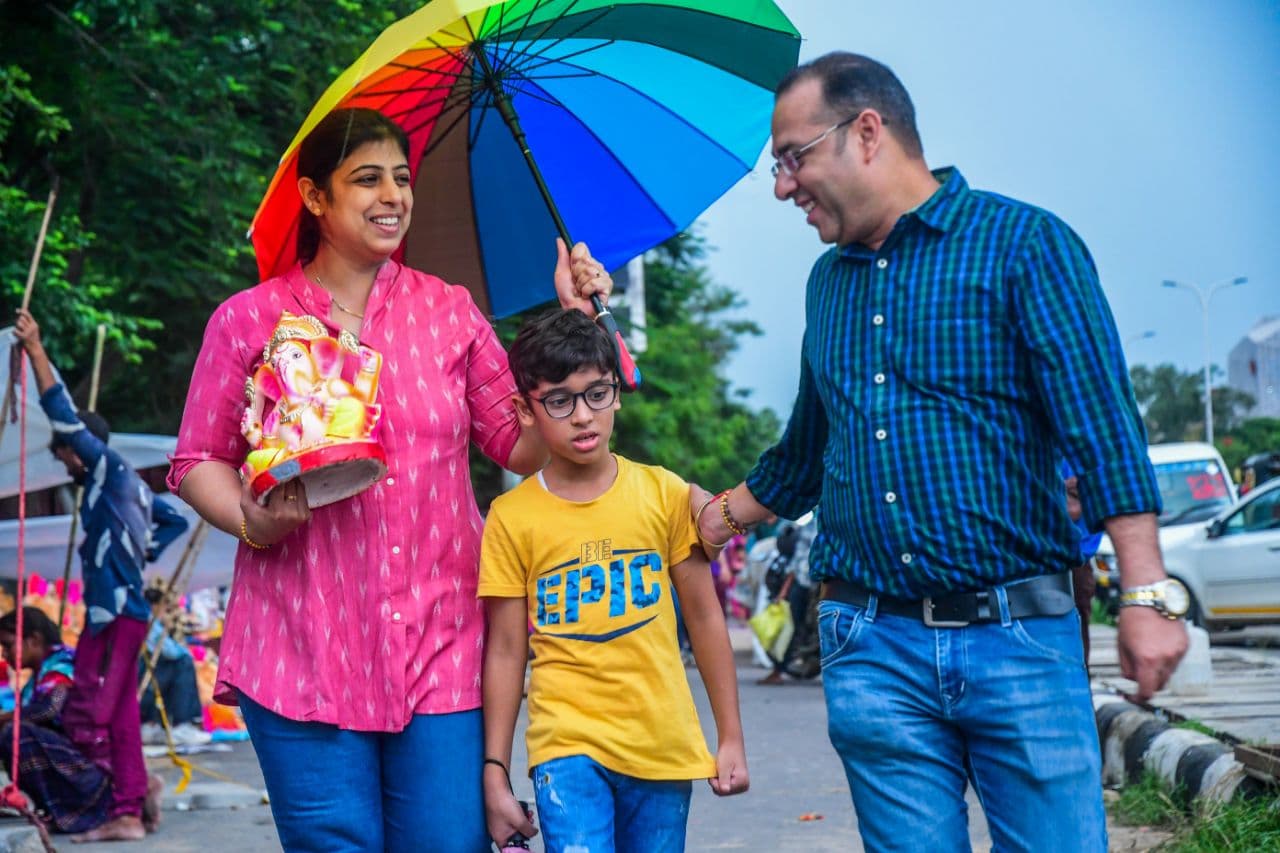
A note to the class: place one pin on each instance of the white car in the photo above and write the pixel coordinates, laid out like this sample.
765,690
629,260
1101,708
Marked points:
1194,488
1232,565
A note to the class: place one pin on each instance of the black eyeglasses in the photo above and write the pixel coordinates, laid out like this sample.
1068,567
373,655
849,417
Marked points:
560,404
788,162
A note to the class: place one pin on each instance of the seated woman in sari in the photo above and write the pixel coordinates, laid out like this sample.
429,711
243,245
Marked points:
73,793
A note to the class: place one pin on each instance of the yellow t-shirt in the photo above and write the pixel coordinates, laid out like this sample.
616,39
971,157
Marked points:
607,681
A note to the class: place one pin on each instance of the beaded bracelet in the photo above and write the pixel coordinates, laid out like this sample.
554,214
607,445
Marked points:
244,534
729,521
697,527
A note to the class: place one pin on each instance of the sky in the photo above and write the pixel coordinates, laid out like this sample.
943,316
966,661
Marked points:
1151,128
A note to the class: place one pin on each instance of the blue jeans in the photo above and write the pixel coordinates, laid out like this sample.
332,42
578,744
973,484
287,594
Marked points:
337,791
916,712
586,808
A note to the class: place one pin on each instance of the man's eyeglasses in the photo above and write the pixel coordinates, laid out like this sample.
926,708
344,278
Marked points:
788,162
560,404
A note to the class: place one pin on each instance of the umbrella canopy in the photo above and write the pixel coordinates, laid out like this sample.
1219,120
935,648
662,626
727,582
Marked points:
638,114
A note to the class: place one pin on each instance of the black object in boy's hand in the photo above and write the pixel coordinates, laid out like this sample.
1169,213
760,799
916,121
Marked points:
518,842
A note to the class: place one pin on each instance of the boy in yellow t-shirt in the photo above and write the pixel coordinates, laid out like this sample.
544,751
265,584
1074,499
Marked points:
588,551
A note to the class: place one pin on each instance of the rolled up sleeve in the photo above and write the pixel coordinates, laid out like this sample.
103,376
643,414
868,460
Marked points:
1080,373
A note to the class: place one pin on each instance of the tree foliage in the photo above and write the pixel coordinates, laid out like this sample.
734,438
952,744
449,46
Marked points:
1172,403
164,121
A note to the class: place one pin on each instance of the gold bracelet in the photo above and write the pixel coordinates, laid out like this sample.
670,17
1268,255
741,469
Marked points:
244,534
697,526
729,521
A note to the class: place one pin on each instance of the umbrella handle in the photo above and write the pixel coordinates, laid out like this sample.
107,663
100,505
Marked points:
628,373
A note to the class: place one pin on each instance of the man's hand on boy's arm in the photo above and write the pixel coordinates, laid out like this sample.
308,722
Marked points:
704,620
506,651
27,331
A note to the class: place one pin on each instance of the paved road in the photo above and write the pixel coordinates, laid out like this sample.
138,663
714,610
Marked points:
794,772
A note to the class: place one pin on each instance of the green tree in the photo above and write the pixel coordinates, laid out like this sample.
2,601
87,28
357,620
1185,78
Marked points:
1172,403
175,115
67,311
1256,435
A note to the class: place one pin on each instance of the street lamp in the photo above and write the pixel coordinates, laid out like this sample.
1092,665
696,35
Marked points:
1204,297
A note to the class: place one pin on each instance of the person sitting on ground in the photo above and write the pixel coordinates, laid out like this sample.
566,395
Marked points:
174,676
590,548
74,792
101,712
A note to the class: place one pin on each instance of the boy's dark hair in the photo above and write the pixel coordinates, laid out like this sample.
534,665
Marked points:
34,624
556,344
93,422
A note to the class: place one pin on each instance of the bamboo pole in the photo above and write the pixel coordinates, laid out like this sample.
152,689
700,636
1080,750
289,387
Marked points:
7,411
188,558
79,494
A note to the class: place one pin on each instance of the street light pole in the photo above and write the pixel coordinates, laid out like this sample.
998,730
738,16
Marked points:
1204,297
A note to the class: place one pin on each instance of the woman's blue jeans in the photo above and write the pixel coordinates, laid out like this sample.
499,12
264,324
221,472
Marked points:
337,791
586,808
917,712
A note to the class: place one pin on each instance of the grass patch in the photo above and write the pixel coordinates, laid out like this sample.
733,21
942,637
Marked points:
1099,615
1196,726
1230,828
1150,803
1213,828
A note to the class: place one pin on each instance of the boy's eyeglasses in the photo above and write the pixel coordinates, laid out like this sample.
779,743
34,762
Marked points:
560,404
788,162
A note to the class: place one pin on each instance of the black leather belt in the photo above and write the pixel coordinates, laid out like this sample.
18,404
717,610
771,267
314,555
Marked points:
1046,595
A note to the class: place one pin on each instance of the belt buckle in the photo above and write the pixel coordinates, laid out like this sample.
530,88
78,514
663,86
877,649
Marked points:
927,612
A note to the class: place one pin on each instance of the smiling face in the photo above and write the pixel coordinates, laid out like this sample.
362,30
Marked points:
832,184
364,213
581,437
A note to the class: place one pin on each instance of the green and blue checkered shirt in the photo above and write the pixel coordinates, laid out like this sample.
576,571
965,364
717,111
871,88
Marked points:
943,377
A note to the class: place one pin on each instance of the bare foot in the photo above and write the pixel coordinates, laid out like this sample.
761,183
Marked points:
124,828
771,679
151,805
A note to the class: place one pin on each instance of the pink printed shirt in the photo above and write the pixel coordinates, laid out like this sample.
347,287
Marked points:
368,613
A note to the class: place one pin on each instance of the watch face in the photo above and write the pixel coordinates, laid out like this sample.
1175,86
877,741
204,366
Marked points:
1176,597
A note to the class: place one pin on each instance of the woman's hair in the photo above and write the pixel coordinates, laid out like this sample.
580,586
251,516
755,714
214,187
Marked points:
556,344
326,146
34,624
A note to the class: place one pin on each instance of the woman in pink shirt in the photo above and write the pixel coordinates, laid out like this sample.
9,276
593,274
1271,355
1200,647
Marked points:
354,638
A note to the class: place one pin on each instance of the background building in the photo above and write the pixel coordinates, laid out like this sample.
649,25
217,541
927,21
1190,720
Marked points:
1253,367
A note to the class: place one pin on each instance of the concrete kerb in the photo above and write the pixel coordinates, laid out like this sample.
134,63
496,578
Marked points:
1135,741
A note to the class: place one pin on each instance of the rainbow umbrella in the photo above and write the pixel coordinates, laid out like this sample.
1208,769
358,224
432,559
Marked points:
614,122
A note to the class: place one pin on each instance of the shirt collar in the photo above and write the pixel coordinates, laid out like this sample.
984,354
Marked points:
938,211
315,300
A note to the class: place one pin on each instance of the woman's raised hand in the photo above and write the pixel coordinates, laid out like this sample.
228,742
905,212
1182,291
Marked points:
578,275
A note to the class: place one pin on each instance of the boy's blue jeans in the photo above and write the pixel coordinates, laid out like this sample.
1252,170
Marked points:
337,791
916,712
586,808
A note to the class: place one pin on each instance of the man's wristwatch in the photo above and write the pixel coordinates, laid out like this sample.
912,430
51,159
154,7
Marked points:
1168,596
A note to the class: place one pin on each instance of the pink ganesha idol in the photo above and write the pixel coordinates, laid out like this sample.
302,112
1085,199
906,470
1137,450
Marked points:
312,413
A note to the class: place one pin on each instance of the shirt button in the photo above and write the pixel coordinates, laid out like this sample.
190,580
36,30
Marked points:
890,497
878,320
395,549
391,481
881,435
882,263
906,558
395,616
879,378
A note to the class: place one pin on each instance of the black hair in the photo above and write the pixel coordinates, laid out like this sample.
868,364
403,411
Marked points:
34,624
326,146
851,83
556,344
94,422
